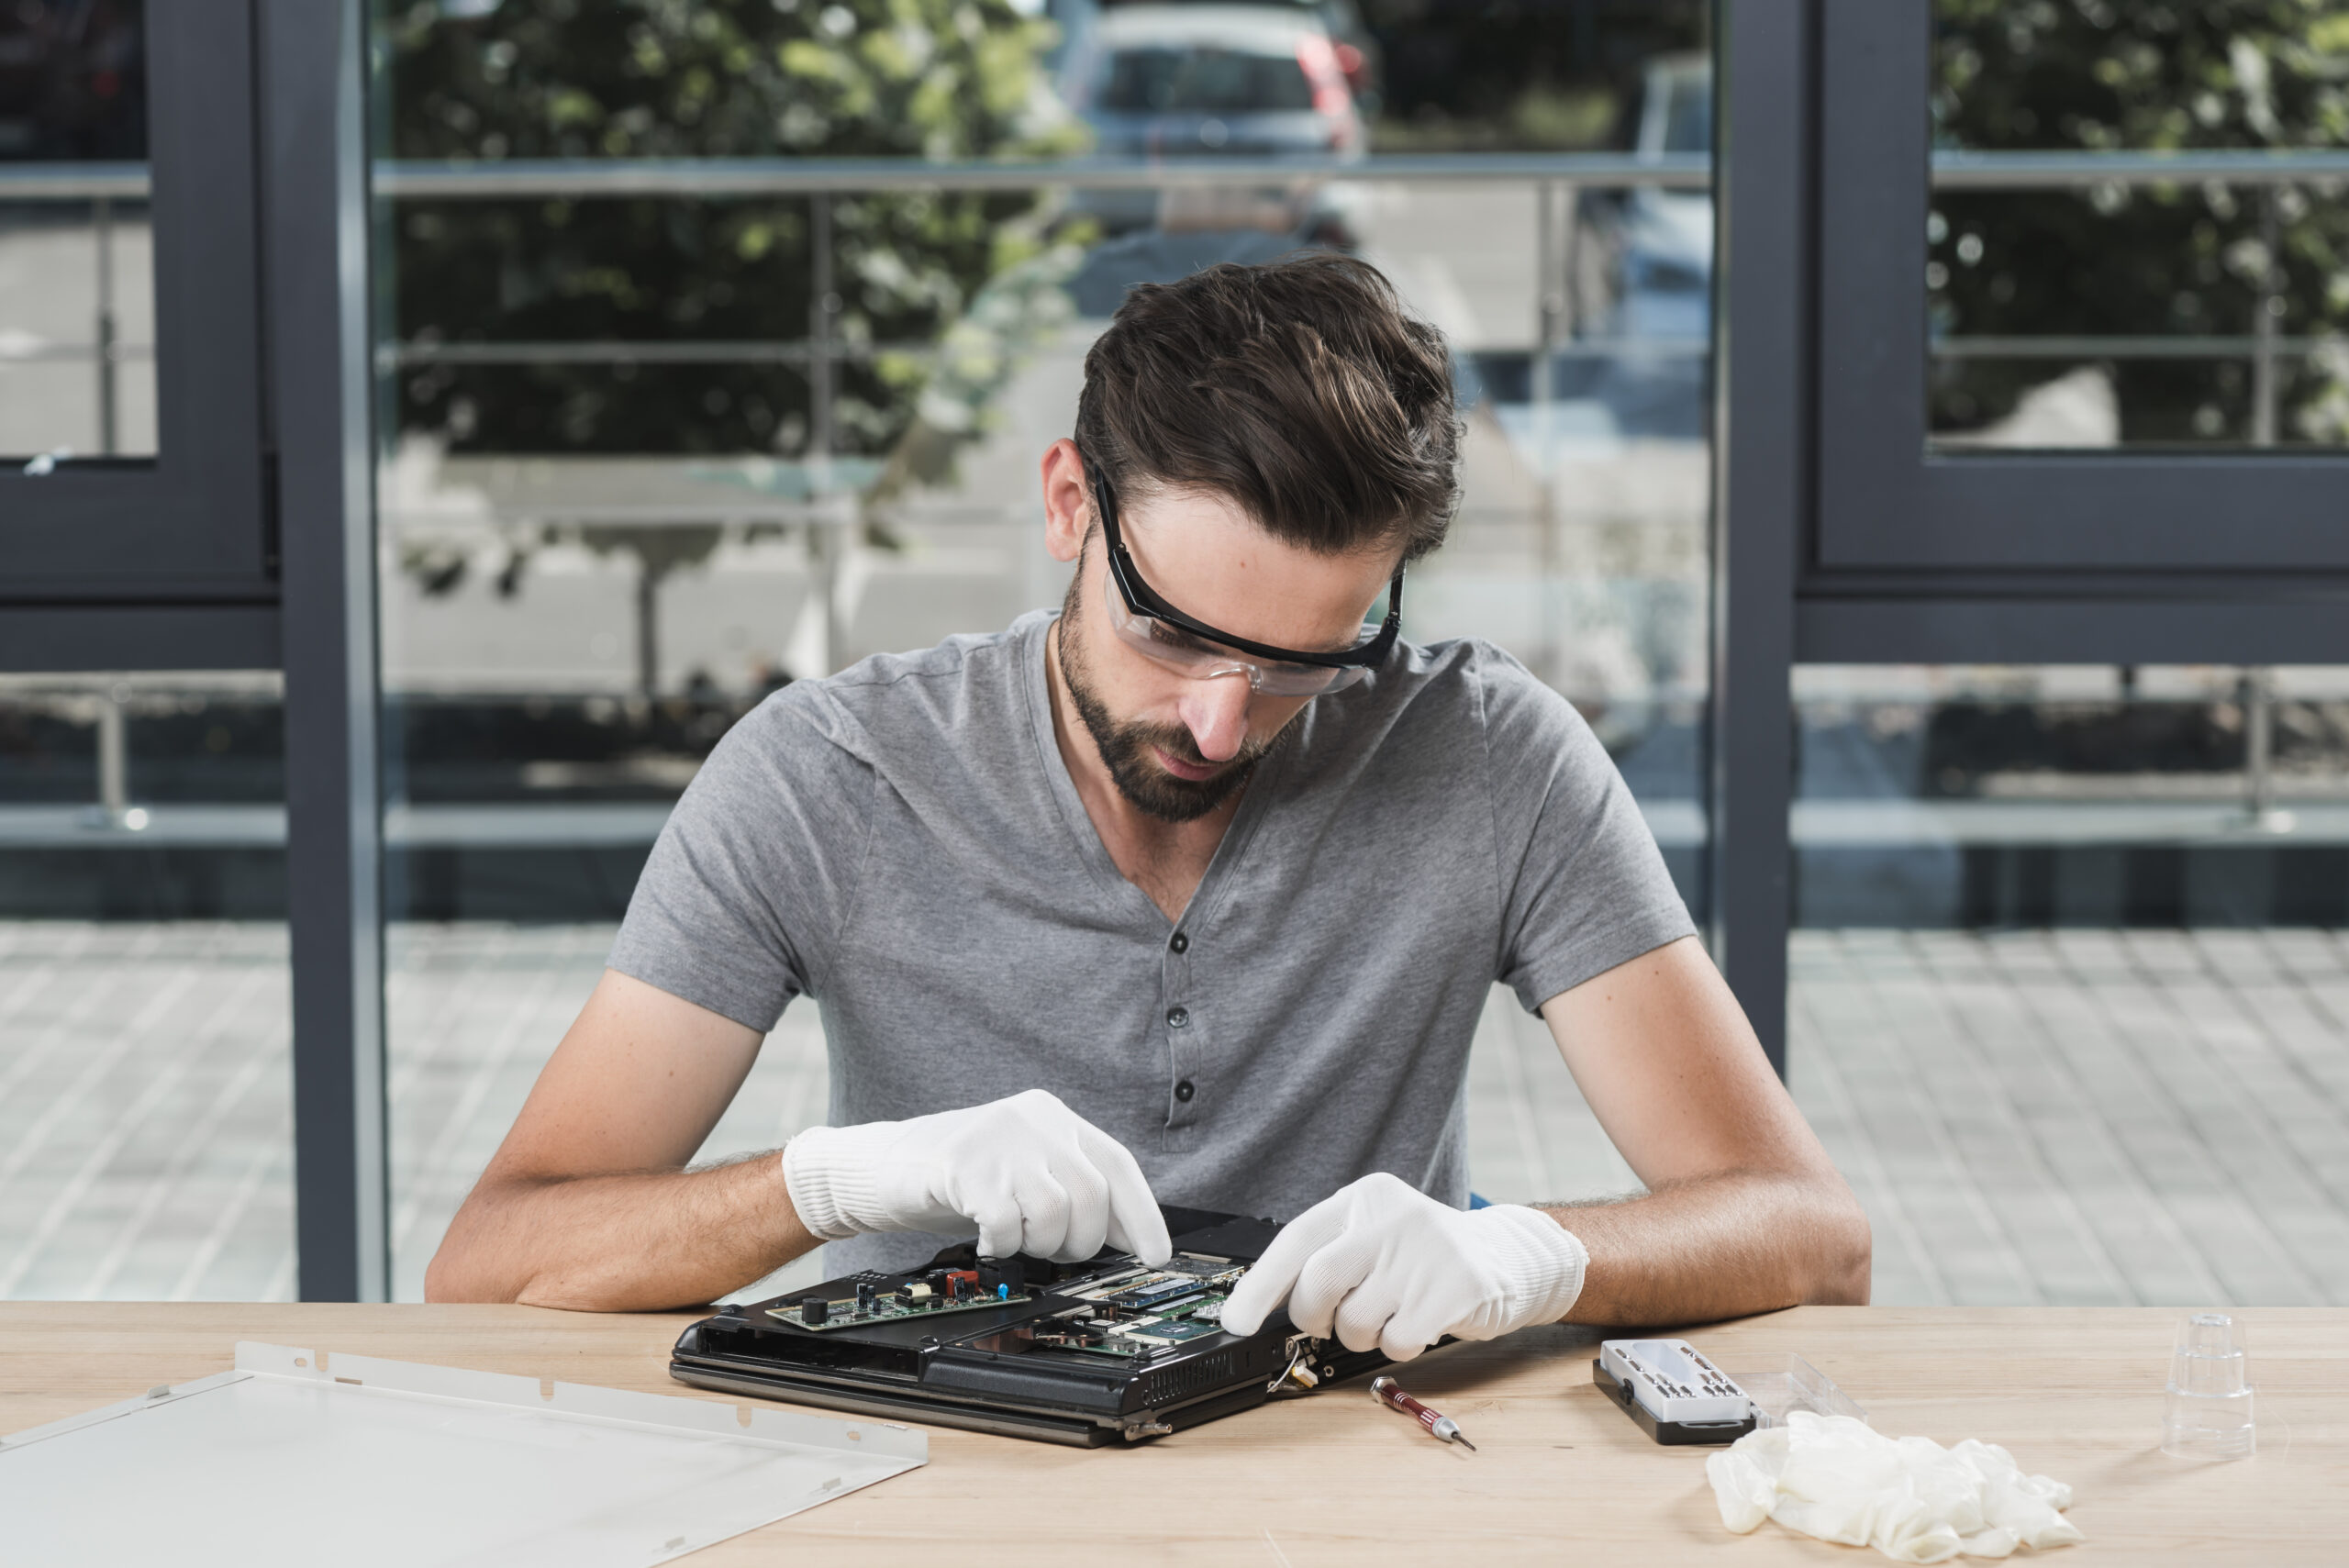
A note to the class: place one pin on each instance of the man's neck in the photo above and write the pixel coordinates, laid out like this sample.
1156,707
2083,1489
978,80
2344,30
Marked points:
1165,860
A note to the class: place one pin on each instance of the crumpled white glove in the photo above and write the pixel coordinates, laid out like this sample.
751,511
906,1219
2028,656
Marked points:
1033,1175
1911,1498
1392,1269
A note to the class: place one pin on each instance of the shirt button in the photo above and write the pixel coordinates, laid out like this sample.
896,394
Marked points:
1181,942
1183,1091
1177,1017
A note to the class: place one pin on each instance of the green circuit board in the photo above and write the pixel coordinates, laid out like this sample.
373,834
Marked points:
1140,1310
893,1299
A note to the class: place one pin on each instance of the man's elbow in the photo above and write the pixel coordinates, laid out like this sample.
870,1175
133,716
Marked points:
449,1278
1845,1260
464,1267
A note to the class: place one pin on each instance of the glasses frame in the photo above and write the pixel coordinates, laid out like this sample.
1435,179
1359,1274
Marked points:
1142,599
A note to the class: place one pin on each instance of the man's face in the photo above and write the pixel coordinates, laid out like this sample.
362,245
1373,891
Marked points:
1177,746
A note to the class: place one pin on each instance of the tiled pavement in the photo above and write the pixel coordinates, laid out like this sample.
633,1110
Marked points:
2068,1117
2083,1117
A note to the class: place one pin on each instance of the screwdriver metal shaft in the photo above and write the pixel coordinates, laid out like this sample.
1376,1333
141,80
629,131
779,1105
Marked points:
1387,1392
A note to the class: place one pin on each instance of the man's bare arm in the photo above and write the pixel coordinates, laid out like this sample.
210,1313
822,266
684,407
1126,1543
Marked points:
1745,1213
587,1204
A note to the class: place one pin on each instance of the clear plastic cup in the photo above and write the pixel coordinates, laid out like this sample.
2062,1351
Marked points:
2208,1411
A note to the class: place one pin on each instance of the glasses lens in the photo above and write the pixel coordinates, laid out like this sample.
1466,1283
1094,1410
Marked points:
1200,659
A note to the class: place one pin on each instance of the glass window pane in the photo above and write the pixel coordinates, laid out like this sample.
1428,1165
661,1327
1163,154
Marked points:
77,298
146,1145
649,458
2131,310
2070,997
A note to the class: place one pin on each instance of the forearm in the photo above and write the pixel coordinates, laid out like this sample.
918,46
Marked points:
1720,1246
626,1243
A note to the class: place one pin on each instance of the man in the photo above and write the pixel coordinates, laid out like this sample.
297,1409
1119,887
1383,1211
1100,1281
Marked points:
1192,893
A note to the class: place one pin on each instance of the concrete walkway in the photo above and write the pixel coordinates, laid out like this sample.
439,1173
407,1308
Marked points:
2075,1118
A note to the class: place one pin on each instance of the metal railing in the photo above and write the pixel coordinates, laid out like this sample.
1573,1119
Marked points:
488,179
741,177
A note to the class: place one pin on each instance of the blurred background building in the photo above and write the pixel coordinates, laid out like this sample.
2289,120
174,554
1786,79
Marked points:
712,346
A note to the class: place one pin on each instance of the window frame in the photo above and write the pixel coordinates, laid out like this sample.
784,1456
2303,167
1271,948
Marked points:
194,524
2102,520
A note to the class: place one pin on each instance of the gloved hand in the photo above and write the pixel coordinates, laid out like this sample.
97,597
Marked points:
1394,1270
1033,1175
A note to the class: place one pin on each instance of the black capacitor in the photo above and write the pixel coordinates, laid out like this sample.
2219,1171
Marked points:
866,1297
814,1310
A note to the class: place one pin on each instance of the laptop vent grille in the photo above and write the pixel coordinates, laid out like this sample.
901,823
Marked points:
1181,1381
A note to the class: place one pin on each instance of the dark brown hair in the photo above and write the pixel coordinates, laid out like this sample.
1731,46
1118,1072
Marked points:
1298,388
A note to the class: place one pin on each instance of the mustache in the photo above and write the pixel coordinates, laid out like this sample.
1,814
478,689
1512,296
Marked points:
1178,743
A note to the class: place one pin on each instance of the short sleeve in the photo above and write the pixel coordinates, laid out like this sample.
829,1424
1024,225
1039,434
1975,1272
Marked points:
1583,887
753,876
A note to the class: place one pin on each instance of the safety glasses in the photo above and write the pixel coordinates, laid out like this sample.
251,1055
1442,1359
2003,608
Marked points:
1158,630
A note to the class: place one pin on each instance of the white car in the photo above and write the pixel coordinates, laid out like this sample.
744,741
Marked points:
1204,81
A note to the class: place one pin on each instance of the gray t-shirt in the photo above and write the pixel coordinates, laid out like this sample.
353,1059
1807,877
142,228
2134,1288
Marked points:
902,842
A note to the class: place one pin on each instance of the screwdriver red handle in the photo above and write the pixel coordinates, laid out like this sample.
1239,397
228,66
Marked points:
1386,1391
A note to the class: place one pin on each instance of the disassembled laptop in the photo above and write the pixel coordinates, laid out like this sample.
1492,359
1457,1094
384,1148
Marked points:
1082,1354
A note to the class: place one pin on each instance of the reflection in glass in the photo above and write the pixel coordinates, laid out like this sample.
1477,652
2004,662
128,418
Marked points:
77,298
2135,311
647,459
146,1145
1216,79
74,81
2072,796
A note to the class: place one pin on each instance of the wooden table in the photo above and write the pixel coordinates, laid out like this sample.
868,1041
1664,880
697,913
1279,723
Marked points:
1562,1478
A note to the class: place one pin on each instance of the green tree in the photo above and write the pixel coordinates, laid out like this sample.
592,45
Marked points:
2143,75
935,79
621,79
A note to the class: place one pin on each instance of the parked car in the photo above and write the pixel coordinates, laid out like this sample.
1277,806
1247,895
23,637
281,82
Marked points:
1643,356
1667,236
1205,80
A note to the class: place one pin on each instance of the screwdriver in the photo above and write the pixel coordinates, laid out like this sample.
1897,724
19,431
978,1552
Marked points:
1386,1391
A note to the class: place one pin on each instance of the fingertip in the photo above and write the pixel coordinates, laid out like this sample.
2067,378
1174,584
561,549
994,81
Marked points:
1137,1227
1250,1302
1001,1231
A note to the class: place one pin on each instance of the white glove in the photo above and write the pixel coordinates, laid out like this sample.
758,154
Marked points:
1033,1175
1394,1270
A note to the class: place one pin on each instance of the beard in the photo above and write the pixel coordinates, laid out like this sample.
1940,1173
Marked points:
1126,747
